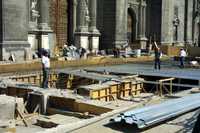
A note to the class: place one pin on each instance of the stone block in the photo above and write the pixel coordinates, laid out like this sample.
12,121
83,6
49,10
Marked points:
7,126
7,107
14,28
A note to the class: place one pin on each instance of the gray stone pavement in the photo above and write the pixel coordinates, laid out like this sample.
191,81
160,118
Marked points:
169,69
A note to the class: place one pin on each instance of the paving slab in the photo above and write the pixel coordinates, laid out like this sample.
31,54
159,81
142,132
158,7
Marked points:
148,70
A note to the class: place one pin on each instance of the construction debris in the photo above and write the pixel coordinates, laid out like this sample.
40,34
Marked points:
7,113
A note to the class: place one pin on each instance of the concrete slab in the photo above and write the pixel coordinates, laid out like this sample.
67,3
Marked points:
148,70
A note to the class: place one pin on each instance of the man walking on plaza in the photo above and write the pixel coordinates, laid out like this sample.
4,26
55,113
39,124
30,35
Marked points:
45,69
182,57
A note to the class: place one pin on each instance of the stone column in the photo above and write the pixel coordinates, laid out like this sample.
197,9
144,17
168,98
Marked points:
121,23
43,24
44,15
94,33
81,34
140,21
167,22
142,25
82,12
144,22
93,15
189,23
74,15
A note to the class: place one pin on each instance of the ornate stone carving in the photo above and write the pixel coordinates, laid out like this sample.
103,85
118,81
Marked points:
34,12
176,23
87,17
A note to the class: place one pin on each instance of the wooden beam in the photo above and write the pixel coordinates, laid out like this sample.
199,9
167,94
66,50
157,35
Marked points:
173,84
22,117
167,79
69,113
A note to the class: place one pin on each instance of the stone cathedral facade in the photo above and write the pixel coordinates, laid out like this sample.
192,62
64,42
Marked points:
27,25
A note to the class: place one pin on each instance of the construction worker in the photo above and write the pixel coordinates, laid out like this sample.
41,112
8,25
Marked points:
45,69
158,55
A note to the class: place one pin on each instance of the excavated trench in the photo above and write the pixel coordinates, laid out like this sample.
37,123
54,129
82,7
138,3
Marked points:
79,93
84,94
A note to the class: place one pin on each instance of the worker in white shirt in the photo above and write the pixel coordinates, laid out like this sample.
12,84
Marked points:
182,57
45,69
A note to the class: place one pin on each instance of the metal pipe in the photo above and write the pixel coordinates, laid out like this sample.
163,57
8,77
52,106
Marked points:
150,115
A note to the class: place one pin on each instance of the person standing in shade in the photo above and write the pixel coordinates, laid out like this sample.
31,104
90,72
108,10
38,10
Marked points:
82,52
158,55
65,51
45,69
182,57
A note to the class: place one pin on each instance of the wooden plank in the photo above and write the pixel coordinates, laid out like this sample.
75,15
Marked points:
36,108
27,117
22,117
92,109
174,84
61,103
53,111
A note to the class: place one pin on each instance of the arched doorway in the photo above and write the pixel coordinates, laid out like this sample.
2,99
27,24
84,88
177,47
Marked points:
131,26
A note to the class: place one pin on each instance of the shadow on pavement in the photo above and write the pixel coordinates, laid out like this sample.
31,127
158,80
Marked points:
187,124
125,128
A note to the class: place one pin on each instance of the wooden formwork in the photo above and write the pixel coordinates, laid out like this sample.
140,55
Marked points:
18,91
70,81
87,86
36,79
111,90
26,78
61,103
136,87
114,89
95,91
62,81
68,104
92,109
125,88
